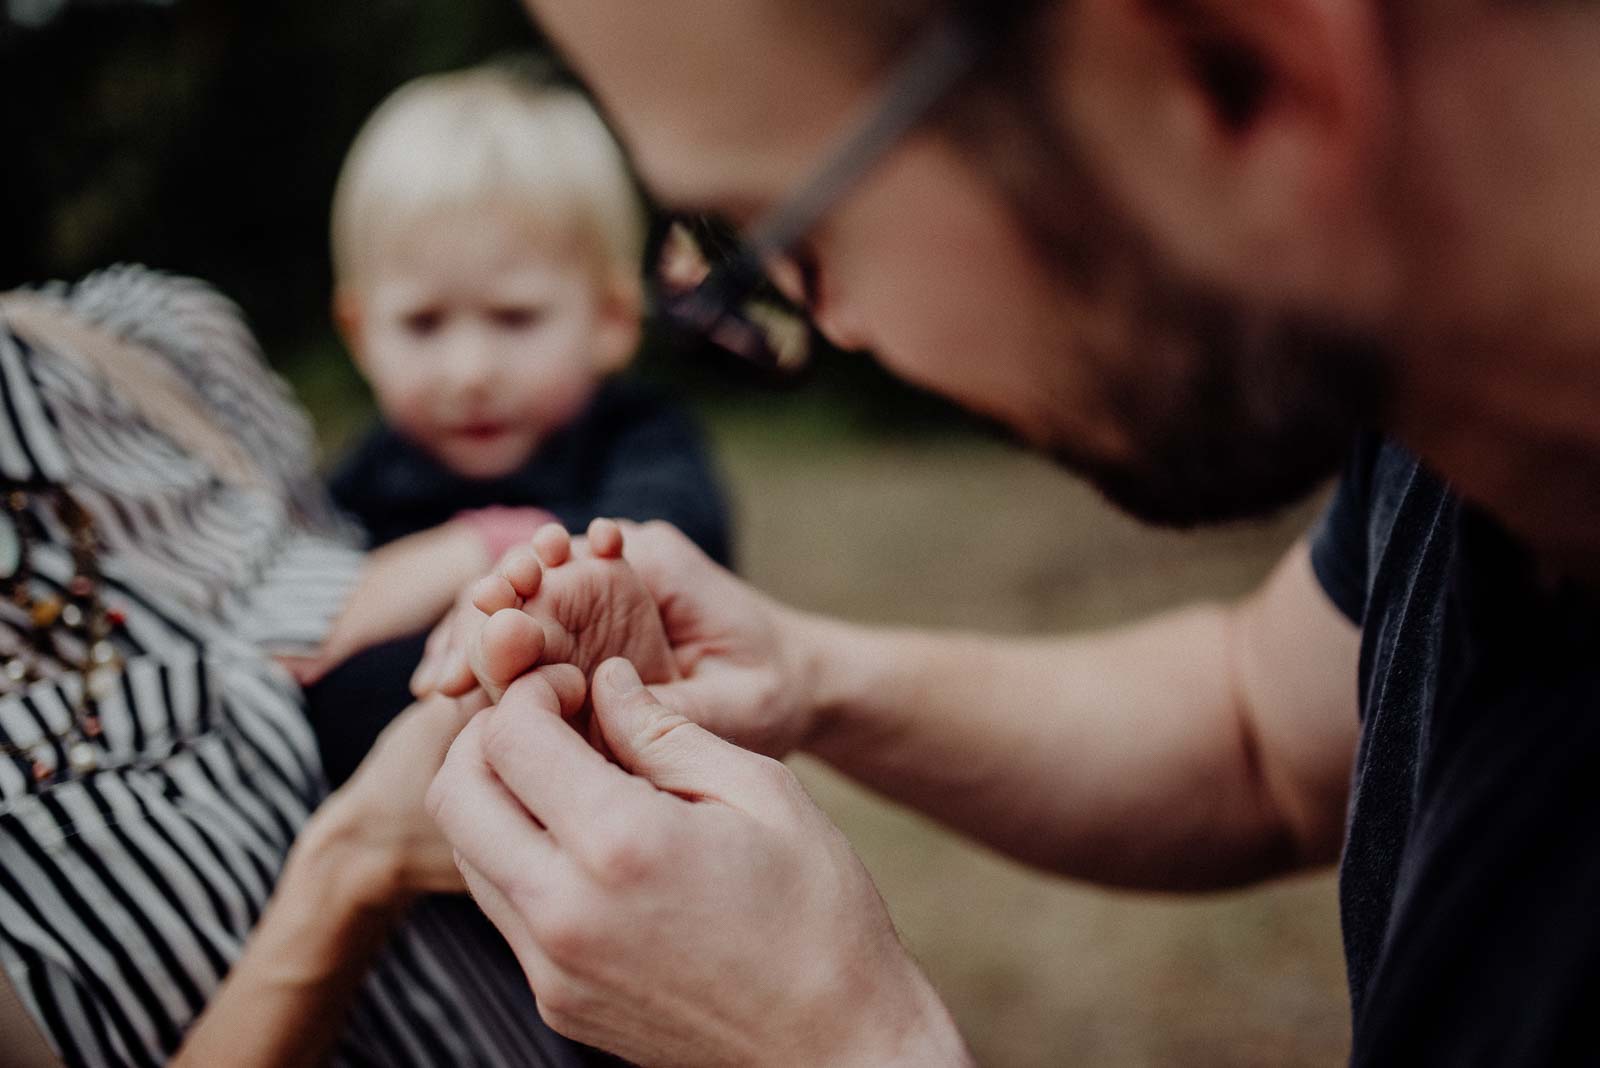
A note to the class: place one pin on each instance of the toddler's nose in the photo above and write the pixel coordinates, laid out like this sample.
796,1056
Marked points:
469,362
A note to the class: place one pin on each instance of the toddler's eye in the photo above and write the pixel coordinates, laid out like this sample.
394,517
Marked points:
515,318
423,323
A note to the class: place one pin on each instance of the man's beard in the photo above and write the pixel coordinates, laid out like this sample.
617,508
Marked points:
1229,410
1229,413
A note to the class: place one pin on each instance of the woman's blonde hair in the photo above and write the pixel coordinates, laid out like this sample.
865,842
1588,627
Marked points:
494,135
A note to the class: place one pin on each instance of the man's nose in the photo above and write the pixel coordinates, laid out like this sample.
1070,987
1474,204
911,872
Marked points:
840,325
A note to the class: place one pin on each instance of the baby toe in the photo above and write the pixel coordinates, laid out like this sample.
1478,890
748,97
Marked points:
605,539
553,544
520,567
509,646
493,593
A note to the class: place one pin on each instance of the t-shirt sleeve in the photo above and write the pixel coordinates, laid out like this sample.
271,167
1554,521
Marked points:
1339,539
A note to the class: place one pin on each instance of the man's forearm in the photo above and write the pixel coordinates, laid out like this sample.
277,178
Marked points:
1123,758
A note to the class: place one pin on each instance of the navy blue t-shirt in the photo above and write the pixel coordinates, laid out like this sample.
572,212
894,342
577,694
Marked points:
1470,882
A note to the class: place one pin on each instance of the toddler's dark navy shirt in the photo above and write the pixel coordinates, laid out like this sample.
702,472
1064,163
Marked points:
1470,883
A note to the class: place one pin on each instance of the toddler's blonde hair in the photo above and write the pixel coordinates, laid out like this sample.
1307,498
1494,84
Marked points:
488,135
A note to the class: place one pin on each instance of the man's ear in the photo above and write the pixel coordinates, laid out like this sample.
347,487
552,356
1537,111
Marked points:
349,321
1244,134
619,323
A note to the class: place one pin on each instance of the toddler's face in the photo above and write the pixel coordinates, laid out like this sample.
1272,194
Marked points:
480,339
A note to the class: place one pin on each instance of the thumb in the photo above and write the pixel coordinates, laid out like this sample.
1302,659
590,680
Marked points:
704,698
661,746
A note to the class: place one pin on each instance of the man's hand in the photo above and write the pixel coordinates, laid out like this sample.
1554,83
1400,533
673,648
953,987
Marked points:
691,906
746,661
749,664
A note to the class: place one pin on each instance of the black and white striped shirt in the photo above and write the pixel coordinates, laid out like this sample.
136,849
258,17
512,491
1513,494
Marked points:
127,891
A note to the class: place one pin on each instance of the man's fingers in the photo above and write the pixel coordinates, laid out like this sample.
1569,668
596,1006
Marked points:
662,556
548,766
688,697
660,745
484,823
567,683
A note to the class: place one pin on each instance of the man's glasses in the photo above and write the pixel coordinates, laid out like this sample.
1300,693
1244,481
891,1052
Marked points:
711,284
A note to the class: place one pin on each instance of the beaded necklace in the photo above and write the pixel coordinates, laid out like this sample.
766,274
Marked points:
68,632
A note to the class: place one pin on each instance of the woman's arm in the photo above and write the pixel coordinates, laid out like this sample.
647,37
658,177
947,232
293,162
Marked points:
283,1001
404,588
366,853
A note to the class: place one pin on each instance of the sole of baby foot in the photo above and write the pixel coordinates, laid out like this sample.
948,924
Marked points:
600,608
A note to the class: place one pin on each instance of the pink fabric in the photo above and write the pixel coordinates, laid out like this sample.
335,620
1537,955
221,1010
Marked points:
500,528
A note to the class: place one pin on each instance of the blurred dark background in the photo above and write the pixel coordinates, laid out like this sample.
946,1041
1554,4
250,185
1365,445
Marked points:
204,137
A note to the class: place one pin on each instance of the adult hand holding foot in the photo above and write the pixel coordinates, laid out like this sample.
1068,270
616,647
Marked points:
636,892
733,660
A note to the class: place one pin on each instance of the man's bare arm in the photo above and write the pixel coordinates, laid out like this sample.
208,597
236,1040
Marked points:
1207,747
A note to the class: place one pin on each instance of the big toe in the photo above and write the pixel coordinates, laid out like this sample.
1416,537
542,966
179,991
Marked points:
509,646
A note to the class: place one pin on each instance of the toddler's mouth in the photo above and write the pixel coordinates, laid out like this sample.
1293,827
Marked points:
480,431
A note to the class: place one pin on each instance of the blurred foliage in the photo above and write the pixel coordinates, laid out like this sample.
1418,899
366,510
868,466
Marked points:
204,137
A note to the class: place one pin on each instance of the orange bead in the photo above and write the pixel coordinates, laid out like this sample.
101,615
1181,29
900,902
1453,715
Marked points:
46,611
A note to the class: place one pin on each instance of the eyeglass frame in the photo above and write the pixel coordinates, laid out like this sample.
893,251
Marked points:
938,61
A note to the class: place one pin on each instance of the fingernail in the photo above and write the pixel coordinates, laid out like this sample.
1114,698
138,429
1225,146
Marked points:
622,677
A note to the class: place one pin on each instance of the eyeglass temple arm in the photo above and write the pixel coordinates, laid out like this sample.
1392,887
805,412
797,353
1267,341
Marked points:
939,59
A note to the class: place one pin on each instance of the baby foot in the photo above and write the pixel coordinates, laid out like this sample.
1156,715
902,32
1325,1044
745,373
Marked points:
564,601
